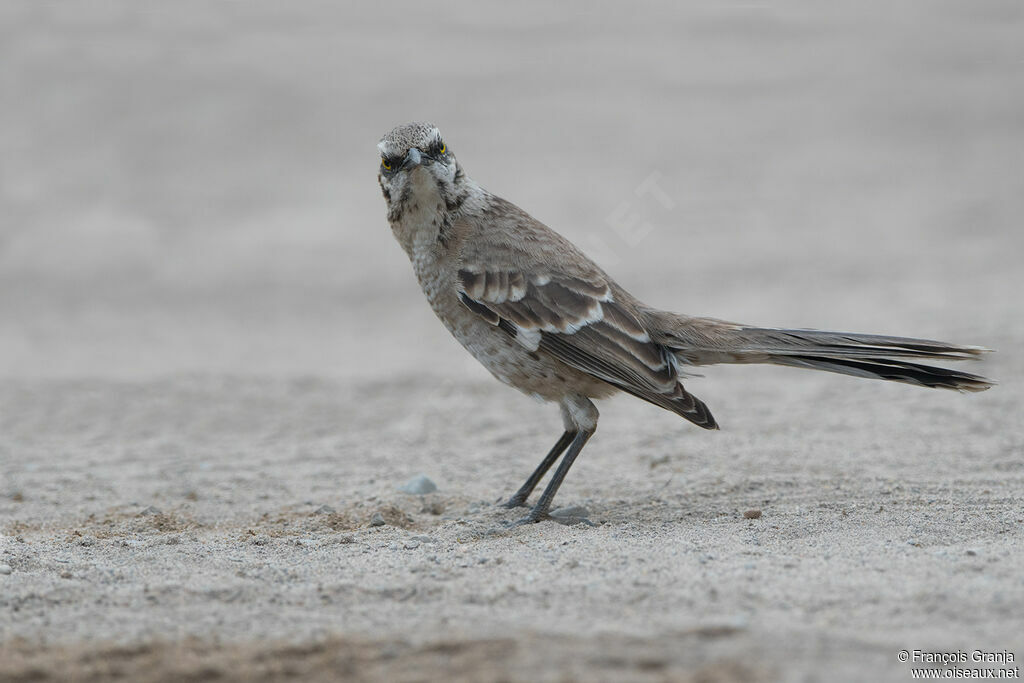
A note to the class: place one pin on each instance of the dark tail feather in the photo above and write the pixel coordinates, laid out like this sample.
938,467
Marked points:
704,341
892,370
848,345
870,355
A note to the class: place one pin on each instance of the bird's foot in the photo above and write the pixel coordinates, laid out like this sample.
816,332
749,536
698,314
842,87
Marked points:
514,502
569,516
528,519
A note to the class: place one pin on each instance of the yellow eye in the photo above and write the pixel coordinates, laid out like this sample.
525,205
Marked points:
385,164
443,148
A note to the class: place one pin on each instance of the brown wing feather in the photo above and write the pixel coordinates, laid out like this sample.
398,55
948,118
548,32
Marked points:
578,321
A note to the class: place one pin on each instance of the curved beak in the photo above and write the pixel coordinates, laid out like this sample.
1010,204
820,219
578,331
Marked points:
412,159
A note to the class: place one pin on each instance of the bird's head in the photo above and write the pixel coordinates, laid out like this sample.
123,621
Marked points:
418,170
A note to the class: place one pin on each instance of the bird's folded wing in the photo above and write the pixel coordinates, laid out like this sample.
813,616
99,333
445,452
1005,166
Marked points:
575,318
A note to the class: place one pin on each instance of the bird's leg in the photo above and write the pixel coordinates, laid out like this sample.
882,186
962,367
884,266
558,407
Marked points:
519,498
580,417
540,510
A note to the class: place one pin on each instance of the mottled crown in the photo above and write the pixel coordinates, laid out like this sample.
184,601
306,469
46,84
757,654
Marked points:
403,138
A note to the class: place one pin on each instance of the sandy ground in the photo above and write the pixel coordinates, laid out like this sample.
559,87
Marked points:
217,369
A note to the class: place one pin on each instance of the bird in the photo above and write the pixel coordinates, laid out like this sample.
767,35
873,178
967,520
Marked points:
542,317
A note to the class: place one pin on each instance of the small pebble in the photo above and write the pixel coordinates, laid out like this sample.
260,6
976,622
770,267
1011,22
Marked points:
377,519
324,510
66,575
306,542
5,569
412,545
752,514
150,511
972,553
132,543
418,485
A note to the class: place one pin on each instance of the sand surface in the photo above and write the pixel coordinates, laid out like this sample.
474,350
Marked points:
217,368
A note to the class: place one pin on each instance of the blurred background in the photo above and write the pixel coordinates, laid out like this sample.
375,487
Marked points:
209,339
191,186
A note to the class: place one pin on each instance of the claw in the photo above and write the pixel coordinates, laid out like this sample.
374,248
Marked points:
566,520
529,519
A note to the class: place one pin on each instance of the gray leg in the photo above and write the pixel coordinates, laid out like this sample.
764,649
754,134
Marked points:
520,496
540,510
582,414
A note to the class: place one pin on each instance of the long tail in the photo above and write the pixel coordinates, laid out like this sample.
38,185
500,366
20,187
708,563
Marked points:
705,341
